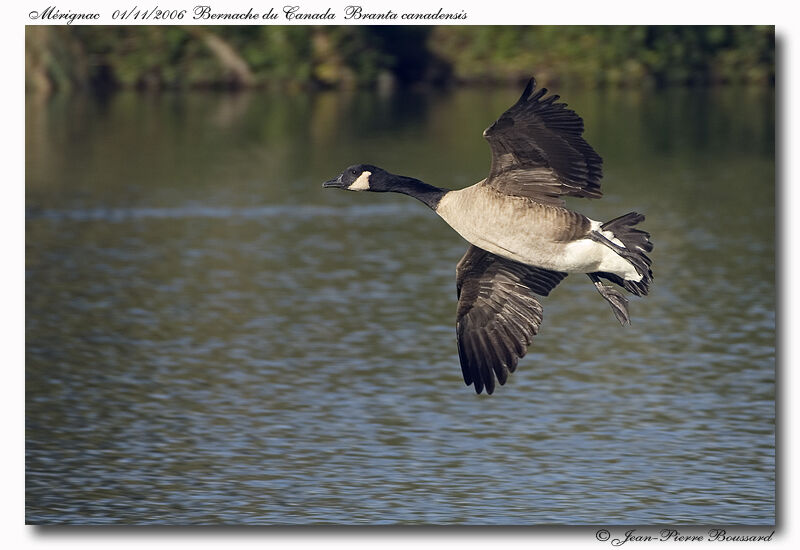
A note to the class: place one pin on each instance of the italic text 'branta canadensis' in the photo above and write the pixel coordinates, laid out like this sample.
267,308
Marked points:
523,240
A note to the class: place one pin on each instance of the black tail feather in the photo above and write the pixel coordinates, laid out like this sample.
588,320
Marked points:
633,239
637,242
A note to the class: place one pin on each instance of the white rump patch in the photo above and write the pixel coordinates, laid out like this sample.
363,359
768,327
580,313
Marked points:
595,226
361,183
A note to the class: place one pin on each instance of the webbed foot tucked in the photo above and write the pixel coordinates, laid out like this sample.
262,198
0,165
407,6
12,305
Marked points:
618,302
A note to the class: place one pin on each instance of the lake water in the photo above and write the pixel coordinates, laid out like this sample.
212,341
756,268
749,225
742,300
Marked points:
212,338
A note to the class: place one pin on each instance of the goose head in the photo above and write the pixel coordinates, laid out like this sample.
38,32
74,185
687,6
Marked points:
362,177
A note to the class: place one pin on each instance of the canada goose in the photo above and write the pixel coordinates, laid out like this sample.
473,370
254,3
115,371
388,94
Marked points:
523,240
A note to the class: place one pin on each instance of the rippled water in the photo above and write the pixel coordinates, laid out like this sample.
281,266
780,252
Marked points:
212,338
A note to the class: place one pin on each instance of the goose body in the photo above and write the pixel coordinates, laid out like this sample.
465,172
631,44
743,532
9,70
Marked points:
529,232
523,239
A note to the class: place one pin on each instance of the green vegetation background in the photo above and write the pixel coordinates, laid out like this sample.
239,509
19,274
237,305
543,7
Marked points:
172,57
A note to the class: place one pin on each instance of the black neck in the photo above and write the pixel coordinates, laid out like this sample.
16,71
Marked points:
420,190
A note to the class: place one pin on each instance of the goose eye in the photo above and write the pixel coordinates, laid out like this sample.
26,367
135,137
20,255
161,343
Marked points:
353,172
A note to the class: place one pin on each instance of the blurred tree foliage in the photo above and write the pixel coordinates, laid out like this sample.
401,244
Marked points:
171,57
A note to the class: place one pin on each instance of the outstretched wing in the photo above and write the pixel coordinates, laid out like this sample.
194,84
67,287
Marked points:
498,314
538,151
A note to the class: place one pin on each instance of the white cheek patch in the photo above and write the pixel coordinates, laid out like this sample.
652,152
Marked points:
362,183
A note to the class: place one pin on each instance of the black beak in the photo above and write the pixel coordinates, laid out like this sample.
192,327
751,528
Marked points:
334,183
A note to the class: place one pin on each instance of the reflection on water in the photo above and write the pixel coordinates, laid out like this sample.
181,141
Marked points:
211,338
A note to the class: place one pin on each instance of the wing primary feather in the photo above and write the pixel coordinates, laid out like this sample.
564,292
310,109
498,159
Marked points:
553,98
491,361
499,362
463,359
535,97
483,360
509,359
528,89
476,369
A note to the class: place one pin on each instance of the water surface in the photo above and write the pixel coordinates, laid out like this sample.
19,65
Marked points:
212,338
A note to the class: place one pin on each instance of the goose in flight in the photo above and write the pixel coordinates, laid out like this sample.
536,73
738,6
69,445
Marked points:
523,240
